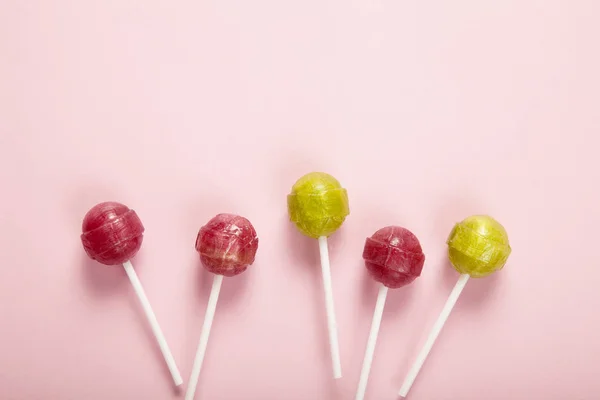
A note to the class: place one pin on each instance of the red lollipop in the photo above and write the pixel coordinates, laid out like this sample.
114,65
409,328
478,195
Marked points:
112,235
227,245
393,256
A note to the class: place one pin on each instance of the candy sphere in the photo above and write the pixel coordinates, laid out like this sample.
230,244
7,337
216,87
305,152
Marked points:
393,256
318,204
112,233
227,244
478,246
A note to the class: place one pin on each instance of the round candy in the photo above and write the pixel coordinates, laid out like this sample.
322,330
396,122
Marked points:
112,233
393,256
478,246
318,204
227,244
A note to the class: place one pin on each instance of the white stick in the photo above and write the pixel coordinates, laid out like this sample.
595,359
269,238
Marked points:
208,319
368,360
435,331
160,338
329,308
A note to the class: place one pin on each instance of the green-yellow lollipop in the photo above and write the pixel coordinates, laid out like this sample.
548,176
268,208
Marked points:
477,247
318,205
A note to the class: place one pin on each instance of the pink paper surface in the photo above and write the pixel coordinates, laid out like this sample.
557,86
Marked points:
426,111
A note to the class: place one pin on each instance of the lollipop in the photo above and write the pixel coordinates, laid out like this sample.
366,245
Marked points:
112,235
227,245
318,205
393,257
477,247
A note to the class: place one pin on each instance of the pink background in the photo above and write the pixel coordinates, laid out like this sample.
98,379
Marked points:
426,111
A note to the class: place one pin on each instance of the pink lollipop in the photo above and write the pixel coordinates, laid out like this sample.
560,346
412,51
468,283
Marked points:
393,256
227,245
112,235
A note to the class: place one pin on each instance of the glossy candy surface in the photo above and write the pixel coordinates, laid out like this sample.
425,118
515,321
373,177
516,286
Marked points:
227,244
112,233
478,246
393,256
318,204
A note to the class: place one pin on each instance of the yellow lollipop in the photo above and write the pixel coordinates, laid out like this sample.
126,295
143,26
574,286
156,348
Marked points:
478,246
318,205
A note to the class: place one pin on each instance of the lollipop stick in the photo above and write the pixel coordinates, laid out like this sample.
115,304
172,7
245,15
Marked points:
208,319
331,324
435,331
368,360
160,338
